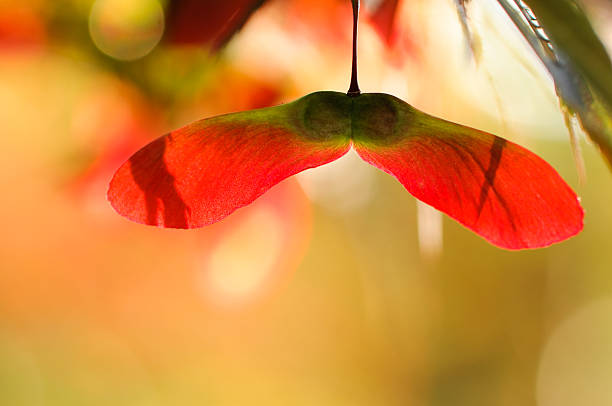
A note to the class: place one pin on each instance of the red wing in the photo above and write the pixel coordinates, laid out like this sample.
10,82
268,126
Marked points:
201,173
501,191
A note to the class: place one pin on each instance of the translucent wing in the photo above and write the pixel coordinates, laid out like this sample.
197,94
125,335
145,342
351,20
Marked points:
499,190
199,174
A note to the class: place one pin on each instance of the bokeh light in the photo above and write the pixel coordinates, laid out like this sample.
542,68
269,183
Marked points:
126,30
343,186
244,259
429,222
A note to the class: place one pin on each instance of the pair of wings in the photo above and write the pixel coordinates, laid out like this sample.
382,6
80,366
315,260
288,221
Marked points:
199,174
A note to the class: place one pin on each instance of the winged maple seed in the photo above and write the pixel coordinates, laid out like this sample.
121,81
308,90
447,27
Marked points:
201,173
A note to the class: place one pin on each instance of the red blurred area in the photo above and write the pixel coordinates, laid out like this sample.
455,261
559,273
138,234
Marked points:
325,20
396,32
208,22
21,27
235,89
383,19
213,23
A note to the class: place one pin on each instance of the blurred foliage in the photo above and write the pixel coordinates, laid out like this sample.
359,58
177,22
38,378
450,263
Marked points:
562,37
581,68
569,29
209,23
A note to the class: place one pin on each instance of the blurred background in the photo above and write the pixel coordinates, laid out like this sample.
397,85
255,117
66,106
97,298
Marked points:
334,288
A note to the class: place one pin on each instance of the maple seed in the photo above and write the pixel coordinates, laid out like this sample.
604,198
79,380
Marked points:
201,173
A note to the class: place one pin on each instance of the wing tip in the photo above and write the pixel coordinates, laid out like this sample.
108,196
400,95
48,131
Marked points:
570,228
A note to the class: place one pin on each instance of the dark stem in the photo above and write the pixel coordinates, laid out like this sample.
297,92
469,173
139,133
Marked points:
354,88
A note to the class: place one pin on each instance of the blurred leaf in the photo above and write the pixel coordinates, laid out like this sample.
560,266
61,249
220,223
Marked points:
564,40
208,22
383,19
570,31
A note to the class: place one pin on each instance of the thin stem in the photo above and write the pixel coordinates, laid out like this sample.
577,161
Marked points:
354,88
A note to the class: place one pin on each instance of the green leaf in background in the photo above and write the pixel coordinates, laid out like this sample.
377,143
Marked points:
570,31
561,35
